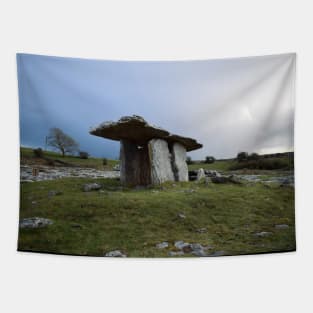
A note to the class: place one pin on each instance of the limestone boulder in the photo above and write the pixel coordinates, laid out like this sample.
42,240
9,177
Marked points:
179,162
160,159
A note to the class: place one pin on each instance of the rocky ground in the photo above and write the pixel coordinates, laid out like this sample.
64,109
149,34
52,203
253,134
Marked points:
50,173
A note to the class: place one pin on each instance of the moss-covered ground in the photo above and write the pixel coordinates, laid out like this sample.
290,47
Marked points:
135,220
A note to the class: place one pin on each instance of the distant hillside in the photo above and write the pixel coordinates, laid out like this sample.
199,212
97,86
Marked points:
51,158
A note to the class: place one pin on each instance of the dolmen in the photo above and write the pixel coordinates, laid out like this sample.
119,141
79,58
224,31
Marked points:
148,154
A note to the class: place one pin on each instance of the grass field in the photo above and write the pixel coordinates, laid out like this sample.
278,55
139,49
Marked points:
219,165
27,157
134,221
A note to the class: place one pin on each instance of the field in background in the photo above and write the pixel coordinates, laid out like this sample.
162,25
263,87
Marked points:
28,157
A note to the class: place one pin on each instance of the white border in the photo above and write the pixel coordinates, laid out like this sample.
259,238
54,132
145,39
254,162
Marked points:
155,30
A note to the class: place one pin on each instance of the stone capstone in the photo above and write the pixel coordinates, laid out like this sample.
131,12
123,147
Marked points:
135,128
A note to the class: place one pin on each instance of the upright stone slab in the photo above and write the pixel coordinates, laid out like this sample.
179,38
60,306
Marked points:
135,164
179,164
160,161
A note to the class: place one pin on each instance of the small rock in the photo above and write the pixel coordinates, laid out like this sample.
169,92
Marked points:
180,244
53,193
162,245
200,174
187,248
201,230
92,186
116,167
175,253
115,254
218,253
200,253
196,246
181,215
34,202
220,180
263,234
34,222
281,226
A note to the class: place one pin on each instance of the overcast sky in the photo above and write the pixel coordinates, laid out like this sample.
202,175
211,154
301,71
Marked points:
229,105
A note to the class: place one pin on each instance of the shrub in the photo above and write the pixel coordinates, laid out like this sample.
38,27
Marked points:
253,156
242,156
38,152
209,159
83,155
189,160
265,164
105,161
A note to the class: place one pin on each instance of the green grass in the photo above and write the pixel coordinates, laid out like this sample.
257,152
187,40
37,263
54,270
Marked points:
219,165
270,165
27,157
134,221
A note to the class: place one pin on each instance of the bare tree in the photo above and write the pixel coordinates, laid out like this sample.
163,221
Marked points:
61,141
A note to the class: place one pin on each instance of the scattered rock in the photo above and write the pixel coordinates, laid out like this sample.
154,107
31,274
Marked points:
263,234
201,230
212,173
199,253
34,222
162,245
200,174
181,244
51,173
175,253
181,215
218,253
53,193
92,186
196,246
187,248
115,254
116,167
281,226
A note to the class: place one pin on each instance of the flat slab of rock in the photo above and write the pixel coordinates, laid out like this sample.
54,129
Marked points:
115,254
162,245
263,234
281,226
135,128
92,186
34,222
